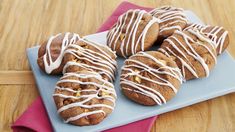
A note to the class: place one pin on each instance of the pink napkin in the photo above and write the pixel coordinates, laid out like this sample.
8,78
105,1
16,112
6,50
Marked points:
35,117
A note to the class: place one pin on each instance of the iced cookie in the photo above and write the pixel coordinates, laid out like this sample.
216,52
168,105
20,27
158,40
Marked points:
171,19
84,98
87,55
217,34
135,31
150,78
50,53
193,52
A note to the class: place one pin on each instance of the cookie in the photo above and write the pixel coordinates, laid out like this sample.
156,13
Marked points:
193,52
50,53
171,19
84,98
135,31
217,34
150,78
87,55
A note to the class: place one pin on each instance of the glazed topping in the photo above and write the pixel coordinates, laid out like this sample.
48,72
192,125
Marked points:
214,33
50,64
102,62
126,30
169,17
81,95
195,25
185,44
141,88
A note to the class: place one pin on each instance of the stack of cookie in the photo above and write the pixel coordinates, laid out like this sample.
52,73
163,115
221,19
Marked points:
187,51
84,95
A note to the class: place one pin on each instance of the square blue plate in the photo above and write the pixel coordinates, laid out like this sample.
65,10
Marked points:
220,82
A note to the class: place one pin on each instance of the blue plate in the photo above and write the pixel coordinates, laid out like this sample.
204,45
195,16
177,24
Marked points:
220,82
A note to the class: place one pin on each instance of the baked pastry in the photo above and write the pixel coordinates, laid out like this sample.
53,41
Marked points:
84,98
193,52
50,53
217,34
171,19
87,55
135,31
150,78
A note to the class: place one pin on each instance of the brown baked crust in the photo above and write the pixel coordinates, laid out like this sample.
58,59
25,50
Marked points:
217,34
86,55
125,36
193,52
96,99
55,51
134,73
171,19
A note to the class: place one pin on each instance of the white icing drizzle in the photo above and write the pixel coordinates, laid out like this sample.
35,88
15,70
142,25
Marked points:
130,38
52,65
169,16
106,87
194,25
213,34
143,89
107,64
83,115
185,63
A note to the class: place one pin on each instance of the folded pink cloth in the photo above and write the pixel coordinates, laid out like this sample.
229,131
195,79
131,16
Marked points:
35,117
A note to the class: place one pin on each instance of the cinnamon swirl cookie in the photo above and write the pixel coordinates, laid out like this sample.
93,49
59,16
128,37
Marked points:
50,53
217,34
87,55
135,31
171,19
150,78
84,98
193,52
